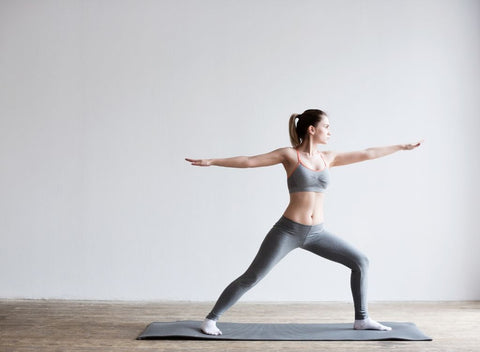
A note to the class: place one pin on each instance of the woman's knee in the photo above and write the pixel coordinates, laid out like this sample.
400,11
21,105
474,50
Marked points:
362,262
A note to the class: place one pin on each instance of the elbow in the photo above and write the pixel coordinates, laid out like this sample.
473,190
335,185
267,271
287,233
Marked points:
248,162
369,154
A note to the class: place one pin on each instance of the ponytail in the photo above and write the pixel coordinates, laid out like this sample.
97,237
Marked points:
308,118
293,130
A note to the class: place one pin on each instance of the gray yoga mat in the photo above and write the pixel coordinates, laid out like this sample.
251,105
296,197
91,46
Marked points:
189,329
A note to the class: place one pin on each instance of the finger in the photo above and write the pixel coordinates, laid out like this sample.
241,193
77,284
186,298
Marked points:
414,145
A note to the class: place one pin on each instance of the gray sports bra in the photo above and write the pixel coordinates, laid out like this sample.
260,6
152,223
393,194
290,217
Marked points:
305,179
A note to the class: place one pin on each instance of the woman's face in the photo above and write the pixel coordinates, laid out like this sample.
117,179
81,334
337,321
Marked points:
322,131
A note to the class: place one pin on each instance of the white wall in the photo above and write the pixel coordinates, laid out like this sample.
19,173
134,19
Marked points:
101,101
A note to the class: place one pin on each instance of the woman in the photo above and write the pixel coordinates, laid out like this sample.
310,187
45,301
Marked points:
302,223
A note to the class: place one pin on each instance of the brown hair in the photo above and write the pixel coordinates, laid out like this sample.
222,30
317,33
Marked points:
308,118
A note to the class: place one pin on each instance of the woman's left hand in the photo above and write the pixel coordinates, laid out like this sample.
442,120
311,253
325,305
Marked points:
412,145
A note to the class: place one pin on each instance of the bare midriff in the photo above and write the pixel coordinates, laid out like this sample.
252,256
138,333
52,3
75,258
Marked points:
305,208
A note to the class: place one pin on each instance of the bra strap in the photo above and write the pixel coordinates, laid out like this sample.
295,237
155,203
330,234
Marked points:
323,159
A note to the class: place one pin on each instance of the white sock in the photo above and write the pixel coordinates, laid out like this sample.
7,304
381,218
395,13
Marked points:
370,324
209,327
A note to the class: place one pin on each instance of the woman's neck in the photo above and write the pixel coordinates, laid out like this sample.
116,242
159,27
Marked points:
308,147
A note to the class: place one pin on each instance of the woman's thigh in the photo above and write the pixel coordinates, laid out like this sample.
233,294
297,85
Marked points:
276,245
332,247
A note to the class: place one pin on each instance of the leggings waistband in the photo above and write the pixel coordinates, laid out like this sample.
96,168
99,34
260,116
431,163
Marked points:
296,226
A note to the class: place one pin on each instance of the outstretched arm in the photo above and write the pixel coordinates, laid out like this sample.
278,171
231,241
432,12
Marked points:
275,157
339,159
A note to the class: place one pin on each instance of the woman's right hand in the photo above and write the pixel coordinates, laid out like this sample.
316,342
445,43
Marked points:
199,162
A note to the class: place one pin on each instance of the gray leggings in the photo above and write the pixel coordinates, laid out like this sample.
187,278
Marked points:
285,236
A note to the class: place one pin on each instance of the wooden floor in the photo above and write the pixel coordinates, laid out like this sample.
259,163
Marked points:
45,325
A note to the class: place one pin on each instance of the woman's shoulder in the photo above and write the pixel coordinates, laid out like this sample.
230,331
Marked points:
287,154
285,150
289,151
